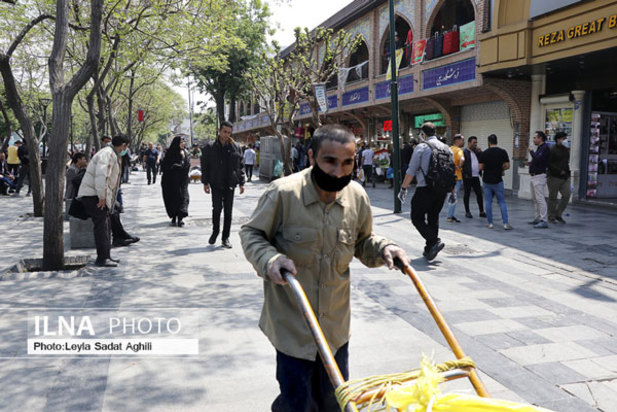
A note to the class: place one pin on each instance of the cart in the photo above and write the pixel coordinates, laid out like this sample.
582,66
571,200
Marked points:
376,388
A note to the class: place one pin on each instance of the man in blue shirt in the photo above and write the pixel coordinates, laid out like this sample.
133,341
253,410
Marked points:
151,159
537,171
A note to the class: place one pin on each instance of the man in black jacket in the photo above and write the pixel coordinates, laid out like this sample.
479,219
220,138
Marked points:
222,169
471,176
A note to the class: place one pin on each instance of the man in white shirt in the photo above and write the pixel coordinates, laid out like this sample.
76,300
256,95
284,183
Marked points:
367,164
249,161
471,176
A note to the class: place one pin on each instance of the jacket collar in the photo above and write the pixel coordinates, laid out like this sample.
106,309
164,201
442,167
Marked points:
309,190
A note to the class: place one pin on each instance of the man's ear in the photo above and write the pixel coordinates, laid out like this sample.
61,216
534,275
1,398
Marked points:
310,155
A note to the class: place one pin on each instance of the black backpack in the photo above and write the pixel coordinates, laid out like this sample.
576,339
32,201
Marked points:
441,177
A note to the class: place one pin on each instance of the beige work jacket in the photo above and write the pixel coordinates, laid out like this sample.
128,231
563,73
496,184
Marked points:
321,239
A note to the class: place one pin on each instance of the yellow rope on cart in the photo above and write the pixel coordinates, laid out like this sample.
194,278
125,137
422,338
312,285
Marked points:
354,388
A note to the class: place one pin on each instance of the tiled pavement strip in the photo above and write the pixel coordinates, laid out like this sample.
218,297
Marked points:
536,309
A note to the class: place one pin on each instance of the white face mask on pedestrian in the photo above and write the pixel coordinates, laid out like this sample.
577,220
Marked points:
566,143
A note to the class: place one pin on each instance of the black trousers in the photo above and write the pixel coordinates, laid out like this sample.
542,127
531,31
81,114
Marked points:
24,172
305,386
117,230
248,169
222,199
151,172
102,227
425,208
473,183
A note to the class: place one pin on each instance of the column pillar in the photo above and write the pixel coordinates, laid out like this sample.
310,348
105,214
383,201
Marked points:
576,140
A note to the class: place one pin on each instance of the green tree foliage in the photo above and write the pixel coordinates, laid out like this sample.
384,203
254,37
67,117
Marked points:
226,81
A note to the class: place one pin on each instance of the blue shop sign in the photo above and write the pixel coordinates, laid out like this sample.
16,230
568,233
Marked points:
332,103
355,96
405,86
454,73
304,109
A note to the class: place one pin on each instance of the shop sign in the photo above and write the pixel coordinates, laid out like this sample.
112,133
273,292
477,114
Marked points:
435,118
355,96
576,31
320,95
304,109
454,73
405,86
332,102
467,36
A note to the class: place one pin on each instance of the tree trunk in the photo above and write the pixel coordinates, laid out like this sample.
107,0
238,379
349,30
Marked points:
232,109
94,135
7,121
219,99
62,96
129,128
16,104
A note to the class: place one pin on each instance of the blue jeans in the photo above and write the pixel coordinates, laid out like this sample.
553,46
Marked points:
497,190
452,206
304,384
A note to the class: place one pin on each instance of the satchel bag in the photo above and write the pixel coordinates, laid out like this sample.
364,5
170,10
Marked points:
78,210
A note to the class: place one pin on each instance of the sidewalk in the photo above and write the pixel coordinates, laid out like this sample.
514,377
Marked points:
534,308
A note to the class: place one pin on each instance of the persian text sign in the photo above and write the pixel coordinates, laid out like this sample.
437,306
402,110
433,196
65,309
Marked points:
454,73
355,96
405,86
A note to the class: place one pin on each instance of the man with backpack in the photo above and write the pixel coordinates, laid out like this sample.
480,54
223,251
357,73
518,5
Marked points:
432,164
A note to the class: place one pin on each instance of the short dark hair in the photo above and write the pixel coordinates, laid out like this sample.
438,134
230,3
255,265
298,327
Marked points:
457,136
227,124
561,135
492,139
335,132
470,138
428,128
542,135
104,137
77,156
119,140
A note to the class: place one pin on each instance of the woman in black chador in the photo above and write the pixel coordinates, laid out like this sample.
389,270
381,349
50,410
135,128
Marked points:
175,167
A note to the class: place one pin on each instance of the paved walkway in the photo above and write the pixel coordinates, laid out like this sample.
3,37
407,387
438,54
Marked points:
536,309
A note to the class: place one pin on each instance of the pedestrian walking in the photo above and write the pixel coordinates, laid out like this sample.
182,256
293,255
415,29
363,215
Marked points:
175,181
98,191
426,202
312,224
249,162
367,164
221,171
151,159
471,176
558,178
537,171
494,162
459,160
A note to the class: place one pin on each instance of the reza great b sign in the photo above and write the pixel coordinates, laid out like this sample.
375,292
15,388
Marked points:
578,30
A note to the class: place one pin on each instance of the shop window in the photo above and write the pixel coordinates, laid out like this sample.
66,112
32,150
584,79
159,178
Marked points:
452,13
403,39
256,108
360,60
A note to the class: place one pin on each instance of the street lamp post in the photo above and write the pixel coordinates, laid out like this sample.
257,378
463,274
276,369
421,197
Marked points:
44,102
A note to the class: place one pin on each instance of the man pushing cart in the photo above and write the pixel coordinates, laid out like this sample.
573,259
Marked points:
301,238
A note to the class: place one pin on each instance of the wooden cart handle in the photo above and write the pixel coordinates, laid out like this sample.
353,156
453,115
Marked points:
443,325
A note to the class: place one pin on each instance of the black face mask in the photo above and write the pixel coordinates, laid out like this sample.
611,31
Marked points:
328,182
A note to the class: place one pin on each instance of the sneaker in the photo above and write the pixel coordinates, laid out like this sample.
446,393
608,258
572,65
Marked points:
507,227
482,214
453,219
434,250
213,237
490,226
535,222
541,225
560,220
552,220
226,244
469,215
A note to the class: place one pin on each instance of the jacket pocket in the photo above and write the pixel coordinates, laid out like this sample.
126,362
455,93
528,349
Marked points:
299,244
345,249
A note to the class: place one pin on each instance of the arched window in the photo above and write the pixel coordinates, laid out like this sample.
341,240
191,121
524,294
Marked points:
357,58
452,13
332,82
403,39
